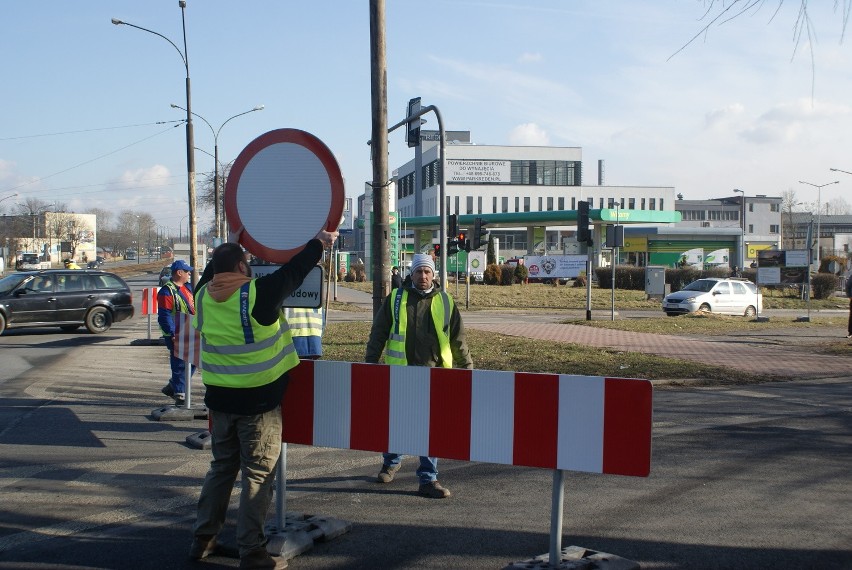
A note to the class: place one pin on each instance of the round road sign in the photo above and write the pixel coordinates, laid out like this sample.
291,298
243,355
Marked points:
283,188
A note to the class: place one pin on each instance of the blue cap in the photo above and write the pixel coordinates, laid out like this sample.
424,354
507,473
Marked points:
182,265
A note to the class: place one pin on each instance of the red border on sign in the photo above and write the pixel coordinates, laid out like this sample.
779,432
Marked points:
321,151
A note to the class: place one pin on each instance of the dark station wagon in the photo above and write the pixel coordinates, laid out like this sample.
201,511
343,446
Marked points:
67,298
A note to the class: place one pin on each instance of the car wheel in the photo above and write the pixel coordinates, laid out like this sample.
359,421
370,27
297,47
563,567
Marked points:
69,328
750,311
98,320
2,323
671,314
704,308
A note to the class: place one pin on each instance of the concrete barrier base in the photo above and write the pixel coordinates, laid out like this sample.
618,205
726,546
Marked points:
173,414
577,558
200,440
300,533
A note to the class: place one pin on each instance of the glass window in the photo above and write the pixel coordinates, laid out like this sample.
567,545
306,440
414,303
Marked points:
526,203
738,288
505,204
661,204
494,205
540,205
642,207
517,203
550,203
610,203
457,205
631,203
652,203
573,203
469,204
600,201
479,204
773,228
560,203
723,288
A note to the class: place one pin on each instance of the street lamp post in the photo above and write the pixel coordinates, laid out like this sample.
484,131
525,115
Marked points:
9,196
216,187
742,236
190,143
819,214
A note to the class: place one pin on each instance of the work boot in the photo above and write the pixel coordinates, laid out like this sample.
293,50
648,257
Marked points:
387,473
180,399
168,390
259,559
433,490
202,546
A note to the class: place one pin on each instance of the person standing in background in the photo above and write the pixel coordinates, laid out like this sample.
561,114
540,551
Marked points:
396,278
418,325
306,326
174,297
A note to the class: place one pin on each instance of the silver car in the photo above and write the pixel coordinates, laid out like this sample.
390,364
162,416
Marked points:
715,295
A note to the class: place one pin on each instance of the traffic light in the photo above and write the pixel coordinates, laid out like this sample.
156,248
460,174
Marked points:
452,225
412,132
480,236
583,233
452,247
437,247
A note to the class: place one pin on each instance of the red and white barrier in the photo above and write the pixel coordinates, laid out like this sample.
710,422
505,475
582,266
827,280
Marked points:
149,305
187,340
557,421
149,300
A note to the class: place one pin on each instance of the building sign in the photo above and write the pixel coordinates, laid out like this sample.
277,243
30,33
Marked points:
479,171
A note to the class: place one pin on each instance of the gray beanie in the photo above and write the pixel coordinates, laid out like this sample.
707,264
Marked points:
421,260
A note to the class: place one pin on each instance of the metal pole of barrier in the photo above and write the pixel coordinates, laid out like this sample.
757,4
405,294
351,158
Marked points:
281,490
557,499
187,374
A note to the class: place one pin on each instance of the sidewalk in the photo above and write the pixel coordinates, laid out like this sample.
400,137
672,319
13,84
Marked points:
769,352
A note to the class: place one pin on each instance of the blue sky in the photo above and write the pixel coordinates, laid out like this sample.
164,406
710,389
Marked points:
735,109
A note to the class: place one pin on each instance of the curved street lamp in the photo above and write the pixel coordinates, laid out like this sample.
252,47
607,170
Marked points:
216,188
190,144
819,213
9,196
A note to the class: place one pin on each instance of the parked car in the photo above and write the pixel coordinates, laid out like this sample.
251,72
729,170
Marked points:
731,296
67,298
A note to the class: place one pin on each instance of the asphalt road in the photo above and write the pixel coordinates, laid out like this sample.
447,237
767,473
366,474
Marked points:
742,477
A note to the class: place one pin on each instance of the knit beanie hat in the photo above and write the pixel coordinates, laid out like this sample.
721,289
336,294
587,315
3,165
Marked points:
422,260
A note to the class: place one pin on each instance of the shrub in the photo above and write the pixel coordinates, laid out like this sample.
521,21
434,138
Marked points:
492,275
506,273
580,281
824,285
520,273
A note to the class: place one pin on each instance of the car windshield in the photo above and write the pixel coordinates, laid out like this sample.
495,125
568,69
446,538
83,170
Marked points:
8,283
703,285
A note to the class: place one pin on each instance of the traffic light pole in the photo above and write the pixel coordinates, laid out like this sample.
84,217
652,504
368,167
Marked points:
442,199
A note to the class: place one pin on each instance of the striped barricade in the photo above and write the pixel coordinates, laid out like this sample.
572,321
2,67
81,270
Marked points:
557,421
187,341
149,304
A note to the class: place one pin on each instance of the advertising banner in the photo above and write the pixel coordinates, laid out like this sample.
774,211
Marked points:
555,266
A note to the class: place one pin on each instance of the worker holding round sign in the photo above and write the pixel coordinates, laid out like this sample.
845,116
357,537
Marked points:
246,345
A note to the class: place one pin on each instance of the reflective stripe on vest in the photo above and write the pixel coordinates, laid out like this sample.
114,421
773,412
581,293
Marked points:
395,347
236,350
305,322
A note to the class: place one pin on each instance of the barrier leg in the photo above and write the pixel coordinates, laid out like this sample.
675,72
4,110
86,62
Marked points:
281,489
149,328
557,498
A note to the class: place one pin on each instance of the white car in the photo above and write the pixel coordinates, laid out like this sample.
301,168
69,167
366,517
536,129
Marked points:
715,295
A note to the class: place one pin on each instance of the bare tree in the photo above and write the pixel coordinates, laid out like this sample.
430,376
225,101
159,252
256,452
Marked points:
720,12
836,207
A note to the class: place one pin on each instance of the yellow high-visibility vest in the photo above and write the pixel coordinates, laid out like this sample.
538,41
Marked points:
304,322
441,309
236,350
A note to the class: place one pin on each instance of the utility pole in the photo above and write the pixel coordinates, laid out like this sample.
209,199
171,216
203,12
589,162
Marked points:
380,258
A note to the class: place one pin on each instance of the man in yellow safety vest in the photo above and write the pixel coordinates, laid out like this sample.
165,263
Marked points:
419,325
246,353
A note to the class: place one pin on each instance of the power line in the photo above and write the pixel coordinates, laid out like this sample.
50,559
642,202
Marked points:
87,161
88,130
